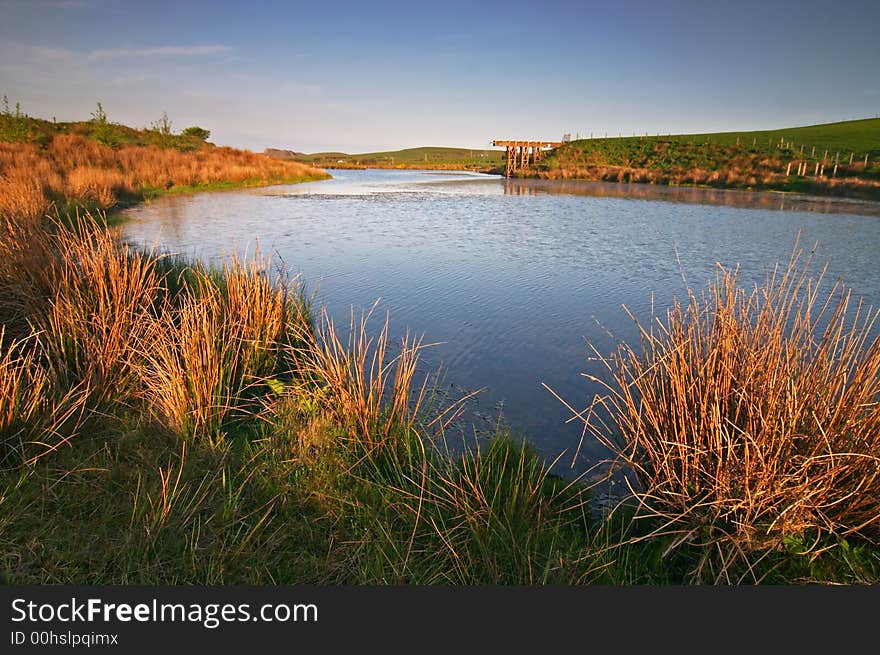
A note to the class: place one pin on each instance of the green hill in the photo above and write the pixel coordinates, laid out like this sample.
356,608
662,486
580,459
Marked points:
426,157
826,143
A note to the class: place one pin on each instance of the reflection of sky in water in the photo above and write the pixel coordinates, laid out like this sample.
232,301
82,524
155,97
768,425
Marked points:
514,278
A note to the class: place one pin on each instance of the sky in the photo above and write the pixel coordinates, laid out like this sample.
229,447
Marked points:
365,76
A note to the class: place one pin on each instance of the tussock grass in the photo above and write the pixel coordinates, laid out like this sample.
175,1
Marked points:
367,391
202,359
100,303
36,417
750,418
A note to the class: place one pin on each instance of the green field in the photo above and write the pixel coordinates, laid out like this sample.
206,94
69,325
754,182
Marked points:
859,136
824,143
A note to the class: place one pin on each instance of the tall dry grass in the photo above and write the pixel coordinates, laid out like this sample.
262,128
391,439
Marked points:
75,170
368,392
750,416
101,302
36,415
215,344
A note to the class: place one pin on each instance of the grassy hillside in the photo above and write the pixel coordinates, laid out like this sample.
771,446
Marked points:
98,164
16,126
425,157
860,137
797,159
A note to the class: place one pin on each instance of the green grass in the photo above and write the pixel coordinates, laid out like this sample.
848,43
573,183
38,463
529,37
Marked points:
19,127
719,150
858,136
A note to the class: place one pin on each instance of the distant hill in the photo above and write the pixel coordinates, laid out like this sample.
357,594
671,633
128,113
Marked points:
275,153
425,157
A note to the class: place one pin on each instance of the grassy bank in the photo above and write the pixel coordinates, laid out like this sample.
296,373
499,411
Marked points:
823,159
98,165
162,422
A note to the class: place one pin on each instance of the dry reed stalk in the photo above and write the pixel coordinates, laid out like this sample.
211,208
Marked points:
35,418
101,303
199,360
370,393
748,416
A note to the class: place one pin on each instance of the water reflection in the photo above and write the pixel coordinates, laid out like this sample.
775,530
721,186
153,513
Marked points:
725,197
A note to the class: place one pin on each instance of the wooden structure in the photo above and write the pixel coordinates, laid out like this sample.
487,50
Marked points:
522,154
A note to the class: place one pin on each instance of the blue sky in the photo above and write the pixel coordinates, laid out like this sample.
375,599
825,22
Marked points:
358,76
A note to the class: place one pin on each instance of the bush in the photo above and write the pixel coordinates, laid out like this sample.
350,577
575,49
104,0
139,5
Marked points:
198,132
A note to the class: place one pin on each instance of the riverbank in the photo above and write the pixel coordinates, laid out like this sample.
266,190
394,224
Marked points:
851,187
838,159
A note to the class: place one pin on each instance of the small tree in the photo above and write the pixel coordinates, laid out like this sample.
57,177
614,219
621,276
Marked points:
163,125
198,132
99,116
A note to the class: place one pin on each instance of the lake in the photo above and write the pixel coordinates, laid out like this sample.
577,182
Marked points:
513,279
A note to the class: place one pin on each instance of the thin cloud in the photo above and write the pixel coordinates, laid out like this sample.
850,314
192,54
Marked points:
163,51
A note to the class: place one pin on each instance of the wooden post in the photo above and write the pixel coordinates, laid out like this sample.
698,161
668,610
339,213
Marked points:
754,142
834,172
813,154
837,158
788,169
816,172
851,155
866,161
825,156
802,148
822,171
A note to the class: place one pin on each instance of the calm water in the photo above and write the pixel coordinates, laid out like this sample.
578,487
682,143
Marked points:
513,278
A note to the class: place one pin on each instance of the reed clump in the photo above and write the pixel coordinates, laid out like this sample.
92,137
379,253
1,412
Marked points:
369,392
100,303
215,345
750,418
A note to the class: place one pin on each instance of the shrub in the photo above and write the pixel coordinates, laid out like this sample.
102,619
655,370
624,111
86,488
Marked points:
197,132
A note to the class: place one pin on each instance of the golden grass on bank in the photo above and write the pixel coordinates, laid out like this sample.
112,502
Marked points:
24,387
200,358
36,416
76,170
369,392
750,416
101,303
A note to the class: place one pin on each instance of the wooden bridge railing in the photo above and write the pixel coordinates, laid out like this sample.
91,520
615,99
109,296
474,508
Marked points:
522,154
